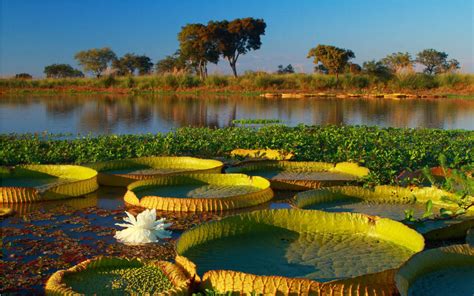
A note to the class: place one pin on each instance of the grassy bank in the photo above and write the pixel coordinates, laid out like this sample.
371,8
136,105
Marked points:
251,82
385,151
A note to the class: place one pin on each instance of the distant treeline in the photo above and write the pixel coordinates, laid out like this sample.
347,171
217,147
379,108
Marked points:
201,44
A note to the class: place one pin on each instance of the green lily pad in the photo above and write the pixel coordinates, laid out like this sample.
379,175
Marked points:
199,192
123,172
28,183
296,175
442,271
390,202
312,245
117,276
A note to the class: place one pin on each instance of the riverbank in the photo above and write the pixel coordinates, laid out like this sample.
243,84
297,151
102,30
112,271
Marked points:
385,151
350,85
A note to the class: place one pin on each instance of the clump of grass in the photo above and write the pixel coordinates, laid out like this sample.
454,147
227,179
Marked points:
255,121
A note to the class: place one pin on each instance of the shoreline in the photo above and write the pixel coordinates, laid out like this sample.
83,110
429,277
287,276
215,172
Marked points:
266,93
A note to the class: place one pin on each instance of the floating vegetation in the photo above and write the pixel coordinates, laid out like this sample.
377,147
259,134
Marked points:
393,202
108,275
199,192
30,183
298,175
123,172
256,121
298,251
442,271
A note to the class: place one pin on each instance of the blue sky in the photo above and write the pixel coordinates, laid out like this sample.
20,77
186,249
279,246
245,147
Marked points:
35,33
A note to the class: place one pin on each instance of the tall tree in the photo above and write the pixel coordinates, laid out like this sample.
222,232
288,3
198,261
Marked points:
377,69
95,60
237,37
334,59
435,61
397,62
61,71
198,47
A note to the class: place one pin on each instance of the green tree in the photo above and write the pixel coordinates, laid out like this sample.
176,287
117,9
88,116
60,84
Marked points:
175,63
435,61
321,69
377,69
398,61
95,60
144,65
125,65
353,68
237,37
198,47
333,59
61,71
451,66
285,70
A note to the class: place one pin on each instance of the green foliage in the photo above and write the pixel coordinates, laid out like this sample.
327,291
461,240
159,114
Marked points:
285,70
414,81
23,76
385,151
396,62
95,60
255,121
61,71
334,59
436,62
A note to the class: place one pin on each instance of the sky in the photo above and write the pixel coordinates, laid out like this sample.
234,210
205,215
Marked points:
34,34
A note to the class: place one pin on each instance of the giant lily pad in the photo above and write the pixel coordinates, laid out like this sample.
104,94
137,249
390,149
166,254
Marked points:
300,175
124,172
199,192
117,276
30,183
442,271
298,251
390,202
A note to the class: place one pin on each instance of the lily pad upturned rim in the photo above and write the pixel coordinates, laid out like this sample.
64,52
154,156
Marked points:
227,280
379,194
194,165
56,284
349,168
430,261
179,204
85,181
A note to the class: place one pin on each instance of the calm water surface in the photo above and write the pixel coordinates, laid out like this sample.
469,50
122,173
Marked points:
99,114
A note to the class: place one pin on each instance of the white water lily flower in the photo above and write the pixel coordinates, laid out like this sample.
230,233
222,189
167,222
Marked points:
144,229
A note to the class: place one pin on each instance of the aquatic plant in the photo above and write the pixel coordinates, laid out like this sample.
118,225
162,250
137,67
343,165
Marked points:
30,183
385,151
143,229
272,154
199,192
111,275
294,252
442,271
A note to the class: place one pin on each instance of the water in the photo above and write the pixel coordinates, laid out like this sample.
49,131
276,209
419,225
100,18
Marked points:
106,114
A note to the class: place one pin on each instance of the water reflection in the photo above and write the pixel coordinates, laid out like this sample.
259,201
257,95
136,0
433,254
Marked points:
154,113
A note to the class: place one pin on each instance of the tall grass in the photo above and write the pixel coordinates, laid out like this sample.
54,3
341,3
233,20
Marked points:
254,81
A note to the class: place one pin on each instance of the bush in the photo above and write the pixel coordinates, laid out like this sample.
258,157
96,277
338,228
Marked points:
217,81
414,81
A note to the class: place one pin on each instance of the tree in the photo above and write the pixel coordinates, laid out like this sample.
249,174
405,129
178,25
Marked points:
23,76
237,37
125,65
353,68
95,60
172,64
377,69
321,69
287,70
144,65
198,47
61,71
398,61
334,59
435,61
